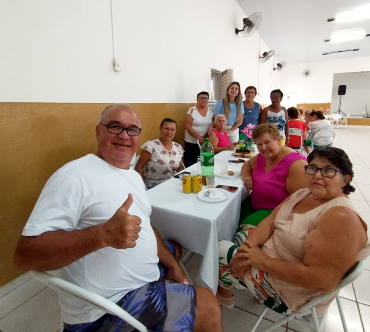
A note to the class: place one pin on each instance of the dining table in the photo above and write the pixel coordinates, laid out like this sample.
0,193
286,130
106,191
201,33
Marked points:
197,224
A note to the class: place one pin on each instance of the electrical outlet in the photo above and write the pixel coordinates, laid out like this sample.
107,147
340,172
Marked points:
116,66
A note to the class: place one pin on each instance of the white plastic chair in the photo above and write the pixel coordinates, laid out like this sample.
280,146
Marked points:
329,117
343,121
323,138
309,307
93,299
336,117
297,132
133,161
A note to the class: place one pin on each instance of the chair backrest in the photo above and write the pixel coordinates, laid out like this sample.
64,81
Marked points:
133,161
93,299
351,276
297,132
323,138
343,120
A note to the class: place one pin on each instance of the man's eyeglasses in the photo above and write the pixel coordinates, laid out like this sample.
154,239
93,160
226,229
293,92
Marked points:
203,98
117,129
327,172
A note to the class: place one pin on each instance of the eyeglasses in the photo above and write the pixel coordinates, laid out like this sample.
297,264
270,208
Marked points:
117,129
327,172
203,98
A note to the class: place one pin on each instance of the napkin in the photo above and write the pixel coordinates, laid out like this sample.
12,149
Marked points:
215,194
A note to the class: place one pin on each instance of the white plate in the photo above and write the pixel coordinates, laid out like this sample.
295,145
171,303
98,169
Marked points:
225,196
230,177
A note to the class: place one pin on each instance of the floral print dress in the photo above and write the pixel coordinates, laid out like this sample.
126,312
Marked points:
277,119
163,164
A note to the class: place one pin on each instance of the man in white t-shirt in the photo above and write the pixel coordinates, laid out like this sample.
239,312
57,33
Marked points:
92,224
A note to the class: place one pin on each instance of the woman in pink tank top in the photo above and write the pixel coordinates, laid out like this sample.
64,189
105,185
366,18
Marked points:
274,174
218,136
307,244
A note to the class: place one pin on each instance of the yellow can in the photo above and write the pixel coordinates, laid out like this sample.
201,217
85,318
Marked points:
186,184
197,183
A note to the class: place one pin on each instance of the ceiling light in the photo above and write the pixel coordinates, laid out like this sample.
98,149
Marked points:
356,14
342,51
347,35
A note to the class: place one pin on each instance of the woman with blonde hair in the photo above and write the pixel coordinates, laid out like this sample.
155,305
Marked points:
231,106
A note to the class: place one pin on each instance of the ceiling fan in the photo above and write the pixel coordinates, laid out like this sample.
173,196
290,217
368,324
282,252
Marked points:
280,65
267,55
250,24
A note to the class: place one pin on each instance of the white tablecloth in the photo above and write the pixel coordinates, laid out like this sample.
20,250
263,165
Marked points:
197,225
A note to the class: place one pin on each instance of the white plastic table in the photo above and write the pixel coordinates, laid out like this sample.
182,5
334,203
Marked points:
195,224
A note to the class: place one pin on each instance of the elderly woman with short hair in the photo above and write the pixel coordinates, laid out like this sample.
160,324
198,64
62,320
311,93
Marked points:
252,109
198,121
272,175
218,137
307,244
277,115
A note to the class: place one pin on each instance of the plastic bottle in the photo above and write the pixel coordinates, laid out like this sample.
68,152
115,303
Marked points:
241,143
207,153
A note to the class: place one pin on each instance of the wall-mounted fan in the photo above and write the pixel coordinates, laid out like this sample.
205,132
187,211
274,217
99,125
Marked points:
250,24
280,65
306,72
267,55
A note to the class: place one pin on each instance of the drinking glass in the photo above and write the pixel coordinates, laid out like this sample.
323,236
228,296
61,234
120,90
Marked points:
210,181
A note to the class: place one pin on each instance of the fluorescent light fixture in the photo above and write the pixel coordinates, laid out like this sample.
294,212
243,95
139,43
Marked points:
356,14
347,35
341,51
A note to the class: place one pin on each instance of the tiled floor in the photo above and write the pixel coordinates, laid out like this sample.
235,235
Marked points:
27,306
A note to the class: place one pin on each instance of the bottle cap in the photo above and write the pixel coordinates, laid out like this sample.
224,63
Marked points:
206,140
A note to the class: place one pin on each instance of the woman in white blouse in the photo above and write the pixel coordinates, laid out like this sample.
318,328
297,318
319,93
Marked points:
318,123
198,122
160,159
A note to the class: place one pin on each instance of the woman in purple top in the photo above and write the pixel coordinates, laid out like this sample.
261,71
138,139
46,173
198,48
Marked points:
218,136
274,174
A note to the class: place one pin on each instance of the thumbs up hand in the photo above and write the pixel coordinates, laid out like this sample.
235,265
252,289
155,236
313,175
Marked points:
122,230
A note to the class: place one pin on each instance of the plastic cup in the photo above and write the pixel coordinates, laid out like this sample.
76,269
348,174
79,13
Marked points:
223,169
307,142
210,181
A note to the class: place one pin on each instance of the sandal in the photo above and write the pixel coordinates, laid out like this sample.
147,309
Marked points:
227,302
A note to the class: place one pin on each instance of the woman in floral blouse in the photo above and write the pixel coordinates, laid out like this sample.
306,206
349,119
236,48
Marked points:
160,159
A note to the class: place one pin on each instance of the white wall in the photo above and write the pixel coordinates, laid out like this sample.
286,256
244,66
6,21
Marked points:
61,51
317,88
357,92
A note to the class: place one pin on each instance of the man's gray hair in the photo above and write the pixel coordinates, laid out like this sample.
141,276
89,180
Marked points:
106,110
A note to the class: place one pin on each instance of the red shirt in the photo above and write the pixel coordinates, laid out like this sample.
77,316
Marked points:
294,141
